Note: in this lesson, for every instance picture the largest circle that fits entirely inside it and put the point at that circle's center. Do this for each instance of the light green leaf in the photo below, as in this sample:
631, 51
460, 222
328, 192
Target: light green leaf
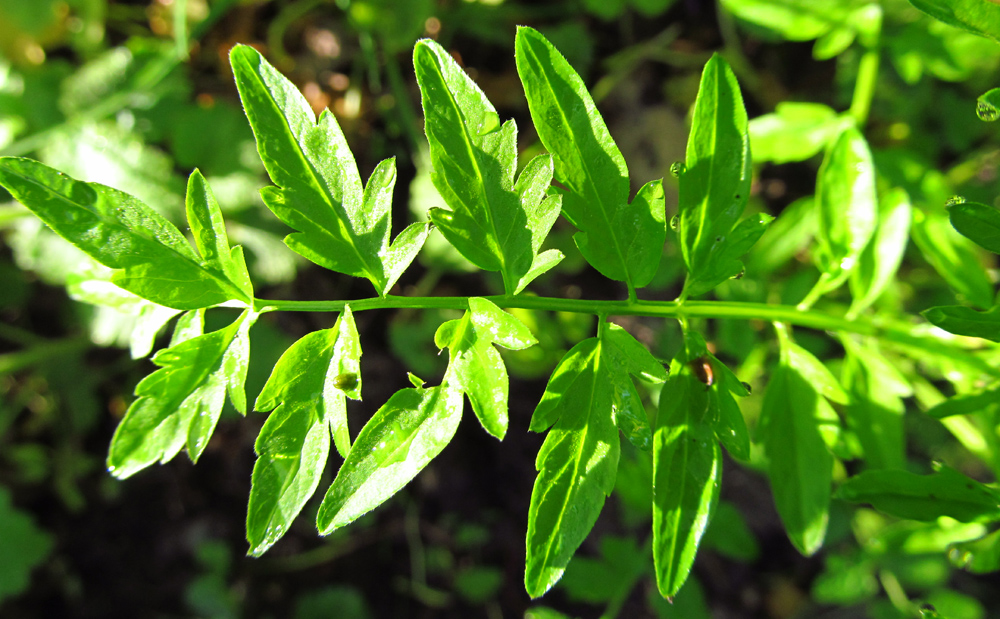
401, 438
730, 427
979, 556
962, 320
715, 184
576, 464
209, 232
978, 222
180, 403
848, 209
881, 258
923, 497
319, 193
966, 403
795, 20
687, 469
623, 241
475, 366
497, 224
155, 260
622, 357
953, 257
793, 132
790, 234
815, 373
980, 17
988, 105
795, 418
876, 408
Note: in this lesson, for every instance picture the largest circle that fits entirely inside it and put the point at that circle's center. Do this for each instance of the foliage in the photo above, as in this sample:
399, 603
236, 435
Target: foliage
834, 427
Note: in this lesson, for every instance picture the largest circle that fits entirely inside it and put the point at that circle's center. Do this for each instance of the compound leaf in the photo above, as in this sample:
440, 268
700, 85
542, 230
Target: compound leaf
497, 224
623, 357
576, 465
153, 258
623, 241
923, 497
179, 404
475, 366
401, 438
340, 225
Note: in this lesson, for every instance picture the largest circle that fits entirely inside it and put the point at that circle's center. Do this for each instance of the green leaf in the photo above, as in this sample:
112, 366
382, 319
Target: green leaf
965, 404
980, 17
795, 20
729, 535
962, 320
923, 497
876, 408
881, 258
789, 235
623, 356
621, 565
576, 464
497, 224
23, 546
340, 225
475, 366
978, 222
623, 241
179, 404
715, 184
793, 132
687, 469
953, 257
401, 438
294, 443
155, 260
848, 209
988, 105
209, 232
979, 556
730, 427
794, 418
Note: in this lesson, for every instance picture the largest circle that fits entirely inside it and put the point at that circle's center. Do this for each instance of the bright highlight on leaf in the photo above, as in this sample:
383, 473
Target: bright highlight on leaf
495, 222
341, 225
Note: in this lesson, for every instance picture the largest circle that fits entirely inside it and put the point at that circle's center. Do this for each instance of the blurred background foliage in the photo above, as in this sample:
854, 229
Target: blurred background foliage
136, 93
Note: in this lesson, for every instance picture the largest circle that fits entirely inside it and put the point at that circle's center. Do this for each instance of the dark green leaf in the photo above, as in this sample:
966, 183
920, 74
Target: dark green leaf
23, 546
715, 185
401, 438
978, 222
730, 427
496, 223
729, 535
475, 366
576, 464
180, 403
923, 497
687, 470
962, 320
881, 258
980, 17
979, 556
794, 420
623, 241
341, 226
621, 565
848, 210
876, 408
120, 232
794, 132
953, 257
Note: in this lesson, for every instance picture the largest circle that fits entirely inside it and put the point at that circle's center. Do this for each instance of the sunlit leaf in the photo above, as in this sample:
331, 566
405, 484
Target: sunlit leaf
962, 320
980, 17
978, 222
881, 258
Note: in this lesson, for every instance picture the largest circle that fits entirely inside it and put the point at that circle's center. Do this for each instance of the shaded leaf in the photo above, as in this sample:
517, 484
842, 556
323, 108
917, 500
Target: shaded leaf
953, 257
881, 258
979, 556
876, 408
978, 222
23, 546
923, 497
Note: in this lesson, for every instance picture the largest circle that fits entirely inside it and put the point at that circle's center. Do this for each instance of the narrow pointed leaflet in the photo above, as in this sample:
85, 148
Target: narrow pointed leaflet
341, 226
715, 184
687, 467
475, 366
152, 258
499, 225
179, 404
401, 438
294, 443
577, 464
622, 240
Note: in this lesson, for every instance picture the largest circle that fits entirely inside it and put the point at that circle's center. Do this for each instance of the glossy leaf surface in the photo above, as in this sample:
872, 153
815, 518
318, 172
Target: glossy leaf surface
923, 497
495, 222
715, 185
793, 132
622, 240
154, 259
980, 17
978, 222
475, 366
341, 225
179, 404
401, 438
